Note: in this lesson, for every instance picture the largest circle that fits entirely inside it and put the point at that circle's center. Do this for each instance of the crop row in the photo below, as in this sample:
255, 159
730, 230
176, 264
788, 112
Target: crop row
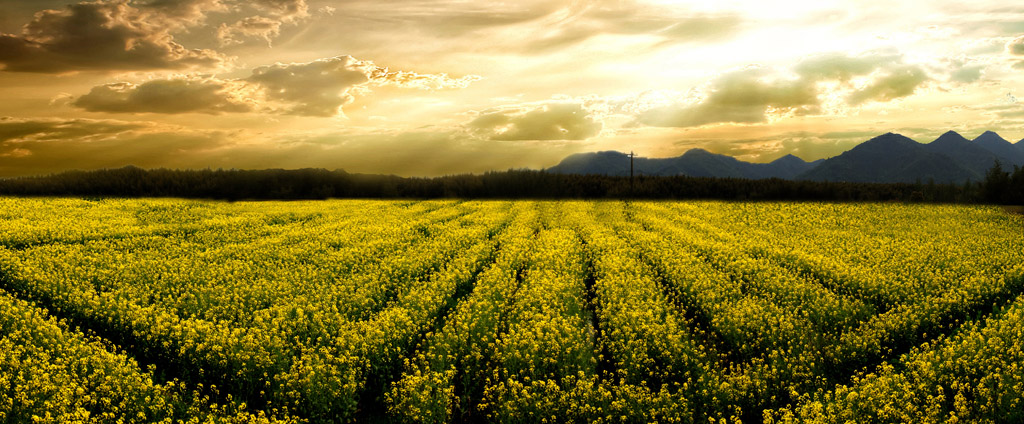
52, 374
466, 311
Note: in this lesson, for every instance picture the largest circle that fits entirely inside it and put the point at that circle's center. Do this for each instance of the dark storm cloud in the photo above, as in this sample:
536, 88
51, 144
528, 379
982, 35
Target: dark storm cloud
101, 35
554, 121
318, 88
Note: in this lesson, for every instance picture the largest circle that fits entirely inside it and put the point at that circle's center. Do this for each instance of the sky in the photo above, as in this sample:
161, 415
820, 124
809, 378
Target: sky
427, 88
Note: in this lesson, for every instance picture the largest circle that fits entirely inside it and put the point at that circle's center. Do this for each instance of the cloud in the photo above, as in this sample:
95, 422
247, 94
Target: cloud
318, 88
426, 152
584, 20
104, 35
813, 147
1003, 111
895, 79
285, 9
267, 26
1016, 48
137, 35
843, 67
763, 144
178, 14
553, 121
967, 74
252, 27
755, 94
532, 27
39, 146
741, 96
406, 79
18, 130
204, 95
447, 18
899, 82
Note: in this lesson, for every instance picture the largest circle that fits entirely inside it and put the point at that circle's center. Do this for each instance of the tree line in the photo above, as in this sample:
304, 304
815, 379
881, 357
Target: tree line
999, 186
1005, 187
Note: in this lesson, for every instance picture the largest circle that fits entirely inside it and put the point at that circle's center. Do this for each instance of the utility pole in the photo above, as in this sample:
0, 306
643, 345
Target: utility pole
631, 171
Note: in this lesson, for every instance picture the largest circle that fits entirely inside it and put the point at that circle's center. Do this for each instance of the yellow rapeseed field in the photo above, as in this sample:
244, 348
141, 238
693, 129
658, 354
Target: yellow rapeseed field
162, 310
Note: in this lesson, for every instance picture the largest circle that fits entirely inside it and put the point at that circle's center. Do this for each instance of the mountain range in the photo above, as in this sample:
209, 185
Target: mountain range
888, 158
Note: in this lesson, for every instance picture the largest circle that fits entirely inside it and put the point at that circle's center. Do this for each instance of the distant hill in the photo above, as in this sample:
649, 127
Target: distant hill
596, 163
888, 158
693, 163
968, 154
1008, 153
702, 163
789, 166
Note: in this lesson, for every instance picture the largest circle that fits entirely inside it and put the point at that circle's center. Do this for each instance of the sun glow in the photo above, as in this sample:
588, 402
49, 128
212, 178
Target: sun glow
416, 75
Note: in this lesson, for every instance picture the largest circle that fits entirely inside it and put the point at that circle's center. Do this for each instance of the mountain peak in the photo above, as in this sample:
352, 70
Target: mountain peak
787, 159
888, 138
1004, 150
950, 137
990, 136
608, 162
697, 151
889, 157
608, 153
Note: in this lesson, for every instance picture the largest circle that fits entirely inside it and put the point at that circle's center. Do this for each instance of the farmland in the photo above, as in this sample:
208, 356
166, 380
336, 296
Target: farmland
164, 310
